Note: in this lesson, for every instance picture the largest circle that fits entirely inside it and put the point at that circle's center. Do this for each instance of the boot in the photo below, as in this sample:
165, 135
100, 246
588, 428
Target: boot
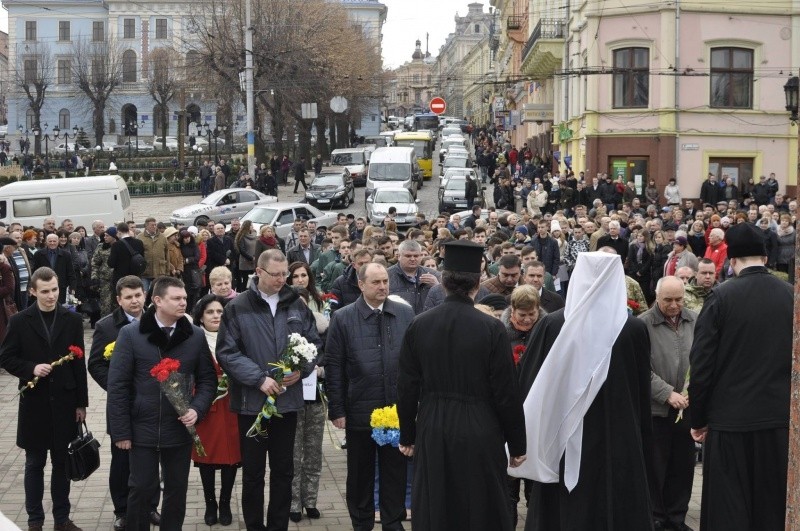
207, 478
228, 478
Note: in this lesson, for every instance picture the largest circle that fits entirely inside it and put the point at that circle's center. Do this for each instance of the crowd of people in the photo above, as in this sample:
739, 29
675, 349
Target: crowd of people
502, 288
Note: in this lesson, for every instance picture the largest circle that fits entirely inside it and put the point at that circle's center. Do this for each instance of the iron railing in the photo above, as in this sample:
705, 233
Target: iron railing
546, 28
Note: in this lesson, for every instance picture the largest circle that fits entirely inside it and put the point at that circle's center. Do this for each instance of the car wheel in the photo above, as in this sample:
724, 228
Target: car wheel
199, 220
346, 201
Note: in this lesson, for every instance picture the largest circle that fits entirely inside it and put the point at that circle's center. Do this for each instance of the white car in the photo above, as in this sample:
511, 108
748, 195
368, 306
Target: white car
453, 172
171, 143
222, 205
282, 216
63, 147
378, 204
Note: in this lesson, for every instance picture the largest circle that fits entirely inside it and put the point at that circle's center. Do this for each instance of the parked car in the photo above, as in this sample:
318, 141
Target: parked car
355, 160
379, 202
484, 213
171, 143
222, 205
282, 216
452, 197
456, 161
331, 188
455, 172
142, 146
63, 147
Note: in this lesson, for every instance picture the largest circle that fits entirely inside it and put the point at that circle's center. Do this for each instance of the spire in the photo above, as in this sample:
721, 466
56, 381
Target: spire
417, 51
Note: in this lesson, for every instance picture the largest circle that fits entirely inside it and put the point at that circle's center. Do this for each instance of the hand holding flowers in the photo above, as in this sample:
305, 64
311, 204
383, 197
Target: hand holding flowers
44, 369
172, 385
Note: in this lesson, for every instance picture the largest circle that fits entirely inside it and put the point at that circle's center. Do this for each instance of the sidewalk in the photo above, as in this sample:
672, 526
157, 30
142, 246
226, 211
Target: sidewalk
91, 503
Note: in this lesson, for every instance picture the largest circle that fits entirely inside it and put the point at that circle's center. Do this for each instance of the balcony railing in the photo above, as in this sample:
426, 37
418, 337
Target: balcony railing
547, 28
515, 22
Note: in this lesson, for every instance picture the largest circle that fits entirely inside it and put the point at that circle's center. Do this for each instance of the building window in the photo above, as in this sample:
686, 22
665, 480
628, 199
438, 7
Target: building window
98, 69
129, 67
631, 77
63, 119
416, 79
63, 30
129, 28
64, 72
732, 78
477, 28
161, 28
30, 66
30, 119
30, 30
98, 31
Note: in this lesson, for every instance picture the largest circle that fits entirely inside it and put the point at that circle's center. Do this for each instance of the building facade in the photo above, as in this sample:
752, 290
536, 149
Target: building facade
411, 87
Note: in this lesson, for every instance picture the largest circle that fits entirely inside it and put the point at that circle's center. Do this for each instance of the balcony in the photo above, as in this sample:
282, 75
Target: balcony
515, 22
517, 28
543, 51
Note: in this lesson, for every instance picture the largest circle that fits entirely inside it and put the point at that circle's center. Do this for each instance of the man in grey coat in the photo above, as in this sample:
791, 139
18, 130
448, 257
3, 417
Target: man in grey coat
254, 333
671, 329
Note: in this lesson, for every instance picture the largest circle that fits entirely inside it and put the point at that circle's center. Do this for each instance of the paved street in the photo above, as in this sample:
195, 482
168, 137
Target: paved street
92, 508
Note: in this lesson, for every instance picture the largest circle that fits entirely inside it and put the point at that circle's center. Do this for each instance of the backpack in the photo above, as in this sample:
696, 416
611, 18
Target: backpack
138, 262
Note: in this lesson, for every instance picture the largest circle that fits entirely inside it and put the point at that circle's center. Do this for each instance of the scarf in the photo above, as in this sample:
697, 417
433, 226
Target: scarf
269, 241
785, 232
639, 251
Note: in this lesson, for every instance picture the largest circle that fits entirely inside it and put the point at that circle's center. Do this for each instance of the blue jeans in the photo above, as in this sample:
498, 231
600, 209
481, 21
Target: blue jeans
35, 461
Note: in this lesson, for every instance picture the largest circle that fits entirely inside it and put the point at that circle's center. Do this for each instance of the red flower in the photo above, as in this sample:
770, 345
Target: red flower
633, 305
164, 368
329, 297
517, 353
76, 351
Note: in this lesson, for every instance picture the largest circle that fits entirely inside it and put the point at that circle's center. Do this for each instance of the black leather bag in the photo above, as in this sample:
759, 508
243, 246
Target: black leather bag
83, 454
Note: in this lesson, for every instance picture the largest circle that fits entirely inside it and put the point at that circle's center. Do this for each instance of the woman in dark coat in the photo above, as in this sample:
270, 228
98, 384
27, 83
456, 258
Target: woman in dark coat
660, 254
192, 276
219, 430
639, 264
7, 283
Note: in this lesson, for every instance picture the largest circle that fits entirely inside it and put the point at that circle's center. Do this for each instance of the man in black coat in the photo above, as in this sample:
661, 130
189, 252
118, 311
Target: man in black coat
305, 251
710, 192
614, 240
130, 297
361, 355
122, 251
48, 412
739, 391
141, 418
345, 286
59, 261
219, 249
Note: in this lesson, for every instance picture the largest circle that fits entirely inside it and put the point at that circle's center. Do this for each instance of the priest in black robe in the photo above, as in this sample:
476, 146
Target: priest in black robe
459, 405
607, 488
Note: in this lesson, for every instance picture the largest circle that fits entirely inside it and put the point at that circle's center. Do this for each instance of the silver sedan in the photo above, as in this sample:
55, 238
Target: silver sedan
222, 205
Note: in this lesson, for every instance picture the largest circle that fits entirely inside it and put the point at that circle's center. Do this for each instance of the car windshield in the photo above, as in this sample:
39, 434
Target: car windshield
456, 183
345, 159
420, 147
457, 172
455, 162
389, 172
393, 196
214, 197
261, 215
331, 179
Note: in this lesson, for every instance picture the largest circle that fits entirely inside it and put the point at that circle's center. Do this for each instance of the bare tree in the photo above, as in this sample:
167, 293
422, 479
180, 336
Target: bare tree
166, 79
96, 72
33, 75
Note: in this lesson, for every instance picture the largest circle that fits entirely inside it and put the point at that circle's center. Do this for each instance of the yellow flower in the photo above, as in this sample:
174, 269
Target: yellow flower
385, 417
109, 350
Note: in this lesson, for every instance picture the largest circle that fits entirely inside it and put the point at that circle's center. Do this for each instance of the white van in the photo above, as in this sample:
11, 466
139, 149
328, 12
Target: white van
393, 166
81, 199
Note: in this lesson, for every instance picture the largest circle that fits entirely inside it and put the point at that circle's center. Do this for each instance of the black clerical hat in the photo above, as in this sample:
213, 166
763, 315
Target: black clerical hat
744, 239
463, 255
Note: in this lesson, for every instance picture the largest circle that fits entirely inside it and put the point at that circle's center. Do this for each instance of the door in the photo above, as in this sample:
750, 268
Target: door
630, 169
738, 169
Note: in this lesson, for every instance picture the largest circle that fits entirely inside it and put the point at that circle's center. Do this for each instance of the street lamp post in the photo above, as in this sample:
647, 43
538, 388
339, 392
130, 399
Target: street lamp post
219, 130
26, 145
66, 146
99, 150
792, 92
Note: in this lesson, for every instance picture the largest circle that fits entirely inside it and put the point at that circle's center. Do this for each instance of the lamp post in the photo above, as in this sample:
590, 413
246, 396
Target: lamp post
195, 147
133, 127
66, 147
99, 150
792, 90
204, 130
23, 147
219, 130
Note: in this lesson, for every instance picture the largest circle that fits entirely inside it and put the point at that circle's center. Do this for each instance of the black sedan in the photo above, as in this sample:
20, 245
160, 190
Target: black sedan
330, 189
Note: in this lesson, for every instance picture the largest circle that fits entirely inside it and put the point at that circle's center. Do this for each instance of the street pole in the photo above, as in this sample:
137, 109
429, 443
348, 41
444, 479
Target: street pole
248, 72
793, 478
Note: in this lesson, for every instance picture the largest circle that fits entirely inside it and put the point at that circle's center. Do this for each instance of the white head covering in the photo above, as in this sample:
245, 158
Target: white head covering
574, 371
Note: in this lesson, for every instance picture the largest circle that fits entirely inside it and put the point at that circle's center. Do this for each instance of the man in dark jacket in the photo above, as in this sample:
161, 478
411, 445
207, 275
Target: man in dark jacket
361, 356
130, 297
710, 192
121, 256
219, 249
205, 178
141, 418
305, 251
300, 174
35, 338
59, 261
740, 391
546, 248
254, 333
345, 286
408, 279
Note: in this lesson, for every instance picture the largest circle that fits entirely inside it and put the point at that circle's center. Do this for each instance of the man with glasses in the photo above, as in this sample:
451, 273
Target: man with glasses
254, 333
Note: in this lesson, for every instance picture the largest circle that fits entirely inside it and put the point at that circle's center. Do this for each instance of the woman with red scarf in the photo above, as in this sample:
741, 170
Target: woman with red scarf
266, 241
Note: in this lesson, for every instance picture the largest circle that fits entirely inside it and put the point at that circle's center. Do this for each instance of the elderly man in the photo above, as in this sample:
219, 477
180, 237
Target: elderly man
717, 250
370, 329
699, 288
686, 274
614, 240
740, 391
409, 280
507, 278
671, 329
535, 276
155, 252
60, 261
305, 251
94, 240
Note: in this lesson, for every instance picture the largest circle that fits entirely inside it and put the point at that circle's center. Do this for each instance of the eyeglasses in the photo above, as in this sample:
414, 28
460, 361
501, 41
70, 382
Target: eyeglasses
282, 274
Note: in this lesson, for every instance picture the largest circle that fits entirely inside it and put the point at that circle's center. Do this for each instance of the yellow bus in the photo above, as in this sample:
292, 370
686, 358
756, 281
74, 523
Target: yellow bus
422, 142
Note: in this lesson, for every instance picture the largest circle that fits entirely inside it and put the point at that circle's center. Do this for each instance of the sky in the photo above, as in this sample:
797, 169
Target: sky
409, 20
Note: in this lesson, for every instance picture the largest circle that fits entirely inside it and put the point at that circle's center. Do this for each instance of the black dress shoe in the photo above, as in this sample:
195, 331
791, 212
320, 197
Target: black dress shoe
225, 516
312, 513
120, 523
155, 518
295, 517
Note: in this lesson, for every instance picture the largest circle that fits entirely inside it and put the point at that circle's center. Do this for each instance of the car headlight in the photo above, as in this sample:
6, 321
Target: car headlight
309, 195
338, 193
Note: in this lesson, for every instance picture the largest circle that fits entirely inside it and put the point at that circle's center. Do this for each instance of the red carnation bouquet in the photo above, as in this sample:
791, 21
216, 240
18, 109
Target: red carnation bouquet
633, 306
172, 385
518, 351
328, 300
73, 352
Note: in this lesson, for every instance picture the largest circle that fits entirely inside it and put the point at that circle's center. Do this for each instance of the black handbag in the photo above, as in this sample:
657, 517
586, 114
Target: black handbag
83, 454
